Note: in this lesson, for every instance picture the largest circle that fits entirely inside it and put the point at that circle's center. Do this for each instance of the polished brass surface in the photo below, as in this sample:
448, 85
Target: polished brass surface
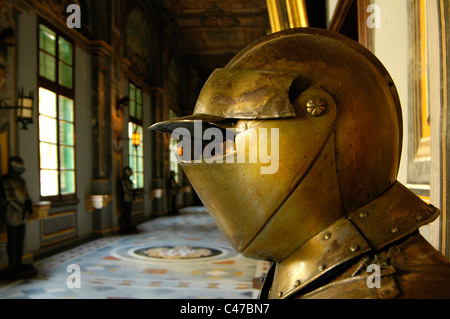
220, 185
407, 261
406, 213
316, 106
246, 94
411, 269
333, 246
239, 94
369, 112
333, 202
310, 207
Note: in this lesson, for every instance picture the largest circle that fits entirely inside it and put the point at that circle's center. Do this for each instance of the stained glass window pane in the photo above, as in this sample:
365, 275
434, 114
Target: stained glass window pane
65, 75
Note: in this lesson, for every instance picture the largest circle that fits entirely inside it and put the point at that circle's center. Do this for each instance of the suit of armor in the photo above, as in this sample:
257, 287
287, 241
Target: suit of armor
128, 195
18, 203
331, 216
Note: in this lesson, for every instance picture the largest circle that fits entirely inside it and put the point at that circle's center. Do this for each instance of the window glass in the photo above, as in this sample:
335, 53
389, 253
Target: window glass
49, 183
47, 102
139, 104
47, 129
65, 51
139, 111
47, 40
56, 115
132, 108
67, 157
66, 133
139, 96
67, 182
65, 109
65, 75
48, 156
47, 66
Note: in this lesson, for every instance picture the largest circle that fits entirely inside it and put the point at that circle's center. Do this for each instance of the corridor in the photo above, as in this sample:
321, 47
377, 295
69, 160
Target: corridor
179, 257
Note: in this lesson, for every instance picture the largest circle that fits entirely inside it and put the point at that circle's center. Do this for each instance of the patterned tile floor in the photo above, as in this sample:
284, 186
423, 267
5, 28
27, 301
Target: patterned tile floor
131, 267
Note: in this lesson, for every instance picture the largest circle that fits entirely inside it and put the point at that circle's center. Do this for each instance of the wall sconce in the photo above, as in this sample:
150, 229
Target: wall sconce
24, 108
135, 136
136, 139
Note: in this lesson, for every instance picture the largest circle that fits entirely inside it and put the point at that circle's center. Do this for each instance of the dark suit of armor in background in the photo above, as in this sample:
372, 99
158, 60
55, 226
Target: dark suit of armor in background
128, 196
17, 204
332, 212
174, 188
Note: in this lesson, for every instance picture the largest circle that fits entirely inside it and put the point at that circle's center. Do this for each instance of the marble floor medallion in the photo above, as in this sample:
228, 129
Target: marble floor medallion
174, 252
178, 252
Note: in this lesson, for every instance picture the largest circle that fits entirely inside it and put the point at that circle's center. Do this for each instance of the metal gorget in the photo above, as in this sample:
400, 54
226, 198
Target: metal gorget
394, 215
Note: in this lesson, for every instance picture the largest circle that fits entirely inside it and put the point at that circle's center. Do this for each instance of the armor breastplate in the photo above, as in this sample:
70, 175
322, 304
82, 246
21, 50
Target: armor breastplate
16, 194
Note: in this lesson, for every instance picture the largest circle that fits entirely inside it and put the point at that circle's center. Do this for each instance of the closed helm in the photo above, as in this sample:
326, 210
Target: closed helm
328, 114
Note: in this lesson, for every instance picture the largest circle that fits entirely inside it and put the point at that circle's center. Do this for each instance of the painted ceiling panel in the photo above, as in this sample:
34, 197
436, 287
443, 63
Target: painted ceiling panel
219, 27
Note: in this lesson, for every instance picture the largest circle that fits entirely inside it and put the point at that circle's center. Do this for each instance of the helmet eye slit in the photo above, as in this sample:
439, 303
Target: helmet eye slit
206, 149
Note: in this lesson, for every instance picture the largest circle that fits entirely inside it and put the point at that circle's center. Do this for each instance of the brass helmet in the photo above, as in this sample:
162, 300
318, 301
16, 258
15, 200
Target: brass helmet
334, 119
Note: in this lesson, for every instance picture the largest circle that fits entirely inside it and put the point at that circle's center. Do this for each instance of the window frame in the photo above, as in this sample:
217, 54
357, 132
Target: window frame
60, 91
139, 122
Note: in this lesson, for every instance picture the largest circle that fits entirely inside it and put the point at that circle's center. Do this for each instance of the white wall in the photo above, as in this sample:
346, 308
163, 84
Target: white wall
390, 45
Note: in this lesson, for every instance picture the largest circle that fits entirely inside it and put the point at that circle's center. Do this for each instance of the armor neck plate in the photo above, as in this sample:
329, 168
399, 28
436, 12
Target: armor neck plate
392, 216
338, 243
